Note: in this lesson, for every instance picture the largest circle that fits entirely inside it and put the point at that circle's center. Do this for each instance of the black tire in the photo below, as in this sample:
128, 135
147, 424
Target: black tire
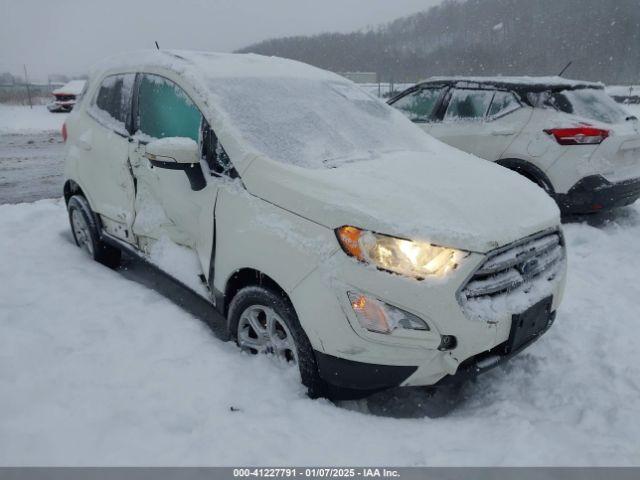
89, 237
261, 296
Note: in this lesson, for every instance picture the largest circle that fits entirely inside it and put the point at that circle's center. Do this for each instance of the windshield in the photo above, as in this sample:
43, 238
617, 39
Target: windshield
314, 123
585, 102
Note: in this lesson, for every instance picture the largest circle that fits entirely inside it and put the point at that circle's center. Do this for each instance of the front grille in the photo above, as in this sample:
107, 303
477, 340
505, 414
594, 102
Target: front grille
517, 267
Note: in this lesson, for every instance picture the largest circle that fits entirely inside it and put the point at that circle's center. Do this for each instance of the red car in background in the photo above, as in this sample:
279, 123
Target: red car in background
65, 97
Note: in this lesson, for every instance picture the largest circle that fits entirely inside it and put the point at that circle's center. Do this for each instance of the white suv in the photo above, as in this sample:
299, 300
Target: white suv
324, 226
568, 137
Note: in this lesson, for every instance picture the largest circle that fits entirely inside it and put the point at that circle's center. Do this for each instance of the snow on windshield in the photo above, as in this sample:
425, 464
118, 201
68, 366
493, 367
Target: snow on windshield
313, 123
585, 102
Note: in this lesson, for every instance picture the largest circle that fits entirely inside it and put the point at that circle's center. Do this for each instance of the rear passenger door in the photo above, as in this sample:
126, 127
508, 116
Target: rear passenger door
105, 169
483, 122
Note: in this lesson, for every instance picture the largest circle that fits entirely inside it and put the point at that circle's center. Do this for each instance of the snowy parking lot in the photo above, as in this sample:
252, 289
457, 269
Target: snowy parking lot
31, 153
100, 367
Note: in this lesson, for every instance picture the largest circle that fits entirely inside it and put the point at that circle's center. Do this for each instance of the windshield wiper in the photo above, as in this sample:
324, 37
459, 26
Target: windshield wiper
631, 117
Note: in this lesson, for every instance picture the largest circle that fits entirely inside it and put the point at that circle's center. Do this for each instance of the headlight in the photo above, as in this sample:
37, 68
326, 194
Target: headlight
406, 257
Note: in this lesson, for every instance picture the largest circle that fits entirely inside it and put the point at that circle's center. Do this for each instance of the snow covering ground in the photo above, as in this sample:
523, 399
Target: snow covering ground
98, 370
22, 119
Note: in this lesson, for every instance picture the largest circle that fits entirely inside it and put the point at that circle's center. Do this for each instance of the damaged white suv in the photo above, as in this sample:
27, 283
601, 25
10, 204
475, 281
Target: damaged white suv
324, 226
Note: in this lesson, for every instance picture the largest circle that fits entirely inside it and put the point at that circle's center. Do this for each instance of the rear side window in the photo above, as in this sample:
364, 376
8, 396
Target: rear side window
165, 110
418, 106
467, 104
502, 104
112, 105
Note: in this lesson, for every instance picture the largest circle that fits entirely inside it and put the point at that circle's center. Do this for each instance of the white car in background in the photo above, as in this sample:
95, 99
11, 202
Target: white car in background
625, 94
327, 229
567, 136
66, 96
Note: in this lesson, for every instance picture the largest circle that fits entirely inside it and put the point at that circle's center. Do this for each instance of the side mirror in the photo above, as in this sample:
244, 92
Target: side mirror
177, 153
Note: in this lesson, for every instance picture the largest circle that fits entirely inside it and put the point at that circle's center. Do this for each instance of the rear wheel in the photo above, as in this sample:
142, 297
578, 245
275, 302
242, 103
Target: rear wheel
86, 234
264, 322
530, 172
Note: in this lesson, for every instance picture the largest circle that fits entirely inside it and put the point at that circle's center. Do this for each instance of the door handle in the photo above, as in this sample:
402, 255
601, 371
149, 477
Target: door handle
502, 132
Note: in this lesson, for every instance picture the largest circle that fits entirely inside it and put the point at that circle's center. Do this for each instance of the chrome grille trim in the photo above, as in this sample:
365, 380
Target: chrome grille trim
515, 265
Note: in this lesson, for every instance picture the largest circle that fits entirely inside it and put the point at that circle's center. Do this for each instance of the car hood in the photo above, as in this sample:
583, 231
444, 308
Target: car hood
451, 199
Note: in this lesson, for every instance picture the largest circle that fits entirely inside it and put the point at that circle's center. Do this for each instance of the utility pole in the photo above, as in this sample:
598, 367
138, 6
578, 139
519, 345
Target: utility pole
26, 81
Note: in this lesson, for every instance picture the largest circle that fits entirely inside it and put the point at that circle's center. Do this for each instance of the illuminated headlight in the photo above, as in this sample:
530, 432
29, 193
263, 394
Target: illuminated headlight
377, 316
406, 257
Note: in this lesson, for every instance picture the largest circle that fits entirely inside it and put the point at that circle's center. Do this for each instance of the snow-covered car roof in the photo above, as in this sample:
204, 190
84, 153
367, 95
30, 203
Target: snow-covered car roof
74, 87
213, 65
281, 109
521, 82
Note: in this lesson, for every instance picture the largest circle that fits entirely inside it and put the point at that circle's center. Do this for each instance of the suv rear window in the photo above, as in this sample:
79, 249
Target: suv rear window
589, 103
112, 104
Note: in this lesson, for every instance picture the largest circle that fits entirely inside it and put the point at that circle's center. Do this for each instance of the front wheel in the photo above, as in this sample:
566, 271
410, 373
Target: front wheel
86, 234
264, 322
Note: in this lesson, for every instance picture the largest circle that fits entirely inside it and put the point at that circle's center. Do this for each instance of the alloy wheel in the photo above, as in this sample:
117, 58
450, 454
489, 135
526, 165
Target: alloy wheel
262, 330
81, 230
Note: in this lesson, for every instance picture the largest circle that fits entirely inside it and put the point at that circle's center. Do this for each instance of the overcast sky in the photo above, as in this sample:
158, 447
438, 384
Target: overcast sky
67, 36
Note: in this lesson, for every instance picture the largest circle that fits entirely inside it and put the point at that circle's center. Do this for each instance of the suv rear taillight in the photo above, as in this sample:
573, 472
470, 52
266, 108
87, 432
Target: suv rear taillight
64, 132
578, 135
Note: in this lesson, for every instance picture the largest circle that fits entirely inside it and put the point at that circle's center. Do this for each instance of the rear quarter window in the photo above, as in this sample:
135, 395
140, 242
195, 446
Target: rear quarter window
503, 103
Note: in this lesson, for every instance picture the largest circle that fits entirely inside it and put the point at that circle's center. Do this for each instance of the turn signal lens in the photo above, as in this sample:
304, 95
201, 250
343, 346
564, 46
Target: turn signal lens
349, 238
380, 317
64, 132
370, 313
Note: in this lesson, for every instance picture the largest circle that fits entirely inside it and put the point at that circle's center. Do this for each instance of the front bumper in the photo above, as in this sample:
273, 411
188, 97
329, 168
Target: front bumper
361, 362
347, 379
595, 193
55, 107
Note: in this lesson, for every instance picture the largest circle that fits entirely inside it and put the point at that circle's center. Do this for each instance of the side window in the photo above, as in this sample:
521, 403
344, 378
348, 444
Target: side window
467, 104
165, 110
112, 105
214, 154
418, 106
503, 103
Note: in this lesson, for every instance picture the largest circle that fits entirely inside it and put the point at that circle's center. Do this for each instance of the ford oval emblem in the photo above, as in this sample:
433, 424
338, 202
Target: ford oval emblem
529, 266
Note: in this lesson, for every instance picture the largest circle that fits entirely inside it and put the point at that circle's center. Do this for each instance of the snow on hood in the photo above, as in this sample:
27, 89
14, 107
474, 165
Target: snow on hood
448, 198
